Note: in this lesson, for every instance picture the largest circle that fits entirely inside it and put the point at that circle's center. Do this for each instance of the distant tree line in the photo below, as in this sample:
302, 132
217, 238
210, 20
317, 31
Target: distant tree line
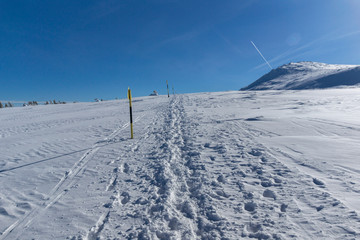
8, 104
34, 103
54, 102
30, 103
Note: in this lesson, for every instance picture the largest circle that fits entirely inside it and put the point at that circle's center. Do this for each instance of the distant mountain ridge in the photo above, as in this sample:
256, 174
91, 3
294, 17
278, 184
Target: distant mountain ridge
307, 75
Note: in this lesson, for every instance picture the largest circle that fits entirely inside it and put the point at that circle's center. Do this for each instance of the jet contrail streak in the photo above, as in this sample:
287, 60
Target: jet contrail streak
261, 54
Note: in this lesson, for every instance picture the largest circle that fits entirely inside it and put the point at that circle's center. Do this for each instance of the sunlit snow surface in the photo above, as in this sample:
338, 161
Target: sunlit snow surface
307, 75
226, 165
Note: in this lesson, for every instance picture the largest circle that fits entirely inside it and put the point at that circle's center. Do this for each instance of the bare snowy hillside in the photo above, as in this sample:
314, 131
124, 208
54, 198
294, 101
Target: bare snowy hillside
307, 75
226, 165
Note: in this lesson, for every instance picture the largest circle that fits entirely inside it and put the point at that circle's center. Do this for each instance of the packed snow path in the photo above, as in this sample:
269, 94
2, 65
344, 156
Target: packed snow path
236, 165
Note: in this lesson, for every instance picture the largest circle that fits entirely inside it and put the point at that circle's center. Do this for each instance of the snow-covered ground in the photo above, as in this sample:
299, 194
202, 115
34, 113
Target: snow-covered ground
307, 75
226, 165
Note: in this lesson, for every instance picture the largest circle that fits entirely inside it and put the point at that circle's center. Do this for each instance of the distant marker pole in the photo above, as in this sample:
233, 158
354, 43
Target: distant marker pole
173, 90
131, 118
167, 85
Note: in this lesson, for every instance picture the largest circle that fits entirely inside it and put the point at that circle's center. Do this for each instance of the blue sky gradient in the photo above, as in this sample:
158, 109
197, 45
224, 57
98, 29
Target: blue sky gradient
86, 49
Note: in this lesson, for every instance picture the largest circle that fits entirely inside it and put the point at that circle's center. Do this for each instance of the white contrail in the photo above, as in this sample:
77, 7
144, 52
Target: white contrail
261, 55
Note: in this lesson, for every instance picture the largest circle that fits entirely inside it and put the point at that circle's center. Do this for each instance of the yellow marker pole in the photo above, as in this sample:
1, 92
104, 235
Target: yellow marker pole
131, 118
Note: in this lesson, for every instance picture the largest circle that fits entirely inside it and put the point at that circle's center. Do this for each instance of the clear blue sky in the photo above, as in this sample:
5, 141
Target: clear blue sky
85, 49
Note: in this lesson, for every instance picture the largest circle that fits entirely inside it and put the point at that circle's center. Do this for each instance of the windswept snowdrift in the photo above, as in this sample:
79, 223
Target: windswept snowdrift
307, 75
230, 165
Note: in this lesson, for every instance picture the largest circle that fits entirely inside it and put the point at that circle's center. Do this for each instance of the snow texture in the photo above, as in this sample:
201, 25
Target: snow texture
307, 75
227, 165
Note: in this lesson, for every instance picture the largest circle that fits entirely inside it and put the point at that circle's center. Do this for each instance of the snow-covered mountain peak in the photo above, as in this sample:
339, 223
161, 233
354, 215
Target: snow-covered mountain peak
307, 75
314, 66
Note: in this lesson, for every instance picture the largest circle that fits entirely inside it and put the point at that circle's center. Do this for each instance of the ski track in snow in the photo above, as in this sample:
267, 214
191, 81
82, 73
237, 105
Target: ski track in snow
65, 183
62, 187
190, 197
198, 171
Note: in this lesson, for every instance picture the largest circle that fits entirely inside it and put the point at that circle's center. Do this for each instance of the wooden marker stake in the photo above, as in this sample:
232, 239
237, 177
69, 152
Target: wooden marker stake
131, 118
167, 85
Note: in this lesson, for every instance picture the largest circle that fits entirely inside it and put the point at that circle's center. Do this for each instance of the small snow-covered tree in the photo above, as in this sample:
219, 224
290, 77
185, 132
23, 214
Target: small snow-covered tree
1, 105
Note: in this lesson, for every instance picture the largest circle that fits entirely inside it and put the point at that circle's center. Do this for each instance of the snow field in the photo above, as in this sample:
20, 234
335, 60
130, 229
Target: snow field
230, 165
